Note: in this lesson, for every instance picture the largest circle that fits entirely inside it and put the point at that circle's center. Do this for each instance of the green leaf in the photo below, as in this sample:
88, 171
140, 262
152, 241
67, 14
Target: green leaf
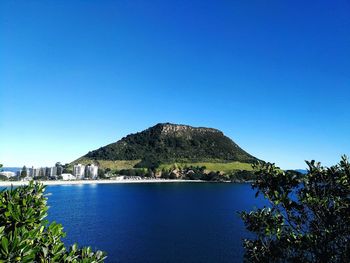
4, 244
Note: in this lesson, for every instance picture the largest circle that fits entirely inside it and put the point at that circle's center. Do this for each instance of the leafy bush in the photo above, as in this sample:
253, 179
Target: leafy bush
309, 215
25, 235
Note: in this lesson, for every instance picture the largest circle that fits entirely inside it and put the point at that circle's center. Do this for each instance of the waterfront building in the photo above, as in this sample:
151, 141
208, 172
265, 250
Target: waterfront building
53, 172
91, 171
36, 172
47, 172
67, 177
50, 172
42, 171
30, 171
33, 172
79, 171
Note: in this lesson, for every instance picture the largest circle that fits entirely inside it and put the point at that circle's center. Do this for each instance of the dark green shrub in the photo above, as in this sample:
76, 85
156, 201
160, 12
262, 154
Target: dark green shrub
25, 235
308, 219
172, 176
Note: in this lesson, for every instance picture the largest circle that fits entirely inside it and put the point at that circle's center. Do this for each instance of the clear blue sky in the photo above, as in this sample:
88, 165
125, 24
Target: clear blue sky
272, 75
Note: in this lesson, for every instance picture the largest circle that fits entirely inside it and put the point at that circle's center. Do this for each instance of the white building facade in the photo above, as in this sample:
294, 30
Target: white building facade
67, 177
79, 171
91, 171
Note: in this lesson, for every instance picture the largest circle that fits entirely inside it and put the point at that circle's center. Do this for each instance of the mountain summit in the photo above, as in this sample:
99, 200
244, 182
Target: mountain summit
167, 143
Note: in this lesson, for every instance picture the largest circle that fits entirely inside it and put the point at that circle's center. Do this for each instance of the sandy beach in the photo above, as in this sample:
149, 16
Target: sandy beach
81, 182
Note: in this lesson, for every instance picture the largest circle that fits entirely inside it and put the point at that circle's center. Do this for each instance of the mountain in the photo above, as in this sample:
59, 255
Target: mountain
302, 171
11, 169
170, 143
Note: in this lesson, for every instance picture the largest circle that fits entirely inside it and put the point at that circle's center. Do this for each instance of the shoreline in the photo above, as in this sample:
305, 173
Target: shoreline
91, 182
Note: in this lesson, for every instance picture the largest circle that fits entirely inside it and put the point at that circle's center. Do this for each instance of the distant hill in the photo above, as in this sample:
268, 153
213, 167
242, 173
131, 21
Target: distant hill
11, 169
167, 143
303, 171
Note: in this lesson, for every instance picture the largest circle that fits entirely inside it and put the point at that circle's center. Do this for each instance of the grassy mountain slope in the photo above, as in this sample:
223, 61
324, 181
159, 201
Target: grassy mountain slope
211, 166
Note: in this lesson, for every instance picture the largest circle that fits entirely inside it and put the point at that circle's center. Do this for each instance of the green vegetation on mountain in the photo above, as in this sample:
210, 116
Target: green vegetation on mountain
210, 166
166, 144
107, 164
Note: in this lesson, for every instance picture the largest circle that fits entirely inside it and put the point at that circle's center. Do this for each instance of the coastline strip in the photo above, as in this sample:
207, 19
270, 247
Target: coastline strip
87, 182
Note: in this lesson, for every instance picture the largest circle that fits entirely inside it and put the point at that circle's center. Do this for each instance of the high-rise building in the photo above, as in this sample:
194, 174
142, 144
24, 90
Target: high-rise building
36, 172
30, 171
33, 172
53, 172
47, 171
42, 172
91, 171
50, 172
79, 171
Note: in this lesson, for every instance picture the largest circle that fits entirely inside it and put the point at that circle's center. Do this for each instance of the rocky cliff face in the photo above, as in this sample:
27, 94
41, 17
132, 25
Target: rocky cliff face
179, 129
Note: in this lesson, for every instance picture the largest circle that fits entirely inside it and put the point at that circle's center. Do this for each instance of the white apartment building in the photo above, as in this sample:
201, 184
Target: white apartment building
91, 171
50, 172
53, 171
42, 171
34, 172
79, 171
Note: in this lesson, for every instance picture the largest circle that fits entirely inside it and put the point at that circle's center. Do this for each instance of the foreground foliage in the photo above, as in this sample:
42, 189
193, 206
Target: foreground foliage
309, 215
26, 237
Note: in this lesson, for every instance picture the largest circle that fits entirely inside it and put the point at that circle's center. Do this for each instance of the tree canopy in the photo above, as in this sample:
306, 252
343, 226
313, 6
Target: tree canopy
26, 237
308, 219
23, 173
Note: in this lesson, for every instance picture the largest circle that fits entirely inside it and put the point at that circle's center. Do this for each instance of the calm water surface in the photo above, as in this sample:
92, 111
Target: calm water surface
174, 222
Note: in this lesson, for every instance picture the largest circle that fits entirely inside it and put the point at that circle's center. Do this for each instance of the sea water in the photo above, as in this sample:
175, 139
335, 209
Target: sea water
155, 222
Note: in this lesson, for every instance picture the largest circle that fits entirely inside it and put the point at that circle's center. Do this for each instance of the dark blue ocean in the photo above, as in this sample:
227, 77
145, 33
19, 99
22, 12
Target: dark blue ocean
164, 222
